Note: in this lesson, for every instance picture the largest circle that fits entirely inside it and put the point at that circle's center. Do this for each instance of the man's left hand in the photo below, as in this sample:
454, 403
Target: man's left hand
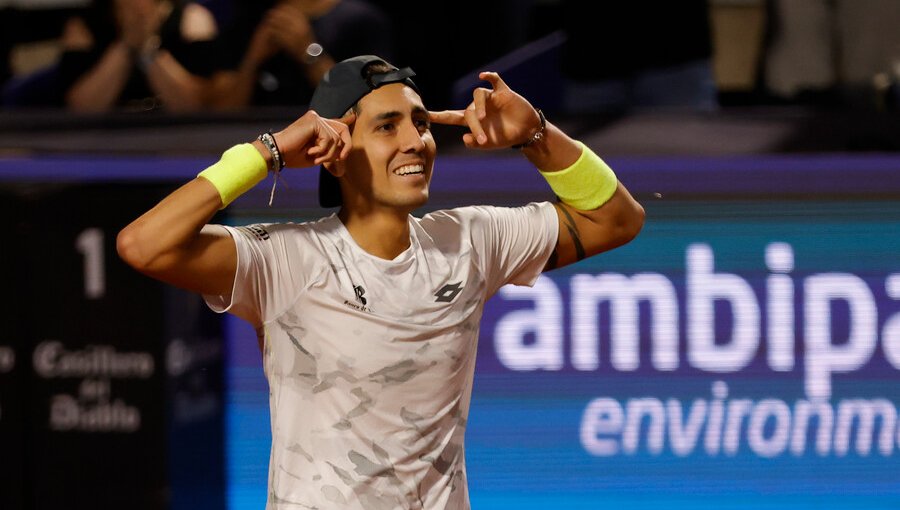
497, 117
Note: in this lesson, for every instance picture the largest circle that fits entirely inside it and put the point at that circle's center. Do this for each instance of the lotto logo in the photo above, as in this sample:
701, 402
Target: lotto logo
448, 292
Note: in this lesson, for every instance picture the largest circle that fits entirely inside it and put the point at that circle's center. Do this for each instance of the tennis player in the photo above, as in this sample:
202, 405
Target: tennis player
369, 317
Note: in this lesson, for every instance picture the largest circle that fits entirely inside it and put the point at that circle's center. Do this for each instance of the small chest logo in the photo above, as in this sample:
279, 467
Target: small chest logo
360, 294
448, 292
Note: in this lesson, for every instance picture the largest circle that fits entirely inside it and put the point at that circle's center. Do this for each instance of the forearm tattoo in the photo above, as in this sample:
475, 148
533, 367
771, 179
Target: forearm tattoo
572, 228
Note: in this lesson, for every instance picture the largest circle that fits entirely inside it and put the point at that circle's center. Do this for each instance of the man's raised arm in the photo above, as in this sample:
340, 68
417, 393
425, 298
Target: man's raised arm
596, 213
172, 242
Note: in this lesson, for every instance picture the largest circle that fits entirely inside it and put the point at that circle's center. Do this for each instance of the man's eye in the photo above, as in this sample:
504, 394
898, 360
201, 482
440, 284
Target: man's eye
386, 127
423, 124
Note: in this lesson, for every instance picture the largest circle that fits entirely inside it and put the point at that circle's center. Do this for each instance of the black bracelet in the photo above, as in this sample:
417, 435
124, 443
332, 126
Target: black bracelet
268, 139
277, 149
538, 135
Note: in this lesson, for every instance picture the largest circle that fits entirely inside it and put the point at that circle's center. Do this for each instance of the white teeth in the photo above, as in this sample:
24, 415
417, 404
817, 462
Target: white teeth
409, 170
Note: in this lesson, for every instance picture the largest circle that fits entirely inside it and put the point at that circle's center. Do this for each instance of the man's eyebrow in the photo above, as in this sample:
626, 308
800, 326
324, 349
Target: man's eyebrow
386, 116
417, 110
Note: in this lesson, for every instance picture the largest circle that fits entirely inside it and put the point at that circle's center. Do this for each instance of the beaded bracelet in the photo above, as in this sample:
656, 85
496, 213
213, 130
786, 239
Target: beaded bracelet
268, 140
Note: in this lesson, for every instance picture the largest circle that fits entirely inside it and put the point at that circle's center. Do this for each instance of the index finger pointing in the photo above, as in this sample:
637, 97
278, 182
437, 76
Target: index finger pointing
349, 118
341, 129
449, 117
347, 139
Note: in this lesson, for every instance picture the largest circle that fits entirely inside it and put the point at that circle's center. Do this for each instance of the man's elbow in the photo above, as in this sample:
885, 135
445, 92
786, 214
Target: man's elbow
128, 248
135, 251
632, 223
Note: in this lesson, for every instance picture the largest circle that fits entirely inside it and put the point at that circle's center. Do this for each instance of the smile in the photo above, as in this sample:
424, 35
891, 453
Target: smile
410, 170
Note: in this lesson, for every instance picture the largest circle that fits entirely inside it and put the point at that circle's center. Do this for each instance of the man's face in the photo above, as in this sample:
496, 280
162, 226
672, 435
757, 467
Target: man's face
393, 152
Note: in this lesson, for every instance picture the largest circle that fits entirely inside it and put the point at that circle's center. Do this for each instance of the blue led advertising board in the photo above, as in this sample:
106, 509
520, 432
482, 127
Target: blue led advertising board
742, 352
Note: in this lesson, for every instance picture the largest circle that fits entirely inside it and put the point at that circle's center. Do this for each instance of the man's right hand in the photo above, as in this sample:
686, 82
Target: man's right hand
313, 140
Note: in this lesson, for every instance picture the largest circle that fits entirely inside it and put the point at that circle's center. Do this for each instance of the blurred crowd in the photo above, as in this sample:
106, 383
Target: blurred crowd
578, 56
186, 56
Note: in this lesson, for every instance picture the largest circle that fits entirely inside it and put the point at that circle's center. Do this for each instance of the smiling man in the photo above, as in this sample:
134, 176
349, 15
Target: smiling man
368, 318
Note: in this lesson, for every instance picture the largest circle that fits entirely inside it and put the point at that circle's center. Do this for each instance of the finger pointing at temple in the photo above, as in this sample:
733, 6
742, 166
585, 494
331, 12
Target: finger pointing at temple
448, 117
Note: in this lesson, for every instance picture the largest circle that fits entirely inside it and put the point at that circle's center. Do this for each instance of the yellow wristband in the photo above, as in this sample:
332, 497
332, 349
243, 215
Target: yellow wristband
587, 184
240, 168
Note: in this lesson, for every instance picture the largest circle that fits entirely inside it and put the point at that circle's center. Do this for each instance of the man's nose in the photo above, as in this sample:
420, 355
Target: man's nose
411, 139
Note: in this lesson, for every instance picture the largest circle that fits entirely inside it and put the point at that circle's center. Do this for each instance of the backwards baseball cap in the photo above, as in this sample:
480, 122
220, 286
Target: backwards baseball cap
341, 87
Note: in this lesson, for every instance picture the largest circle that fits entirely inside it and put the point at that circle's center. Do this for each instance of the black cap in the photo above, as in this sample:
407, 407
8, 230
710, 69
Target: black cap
341, 87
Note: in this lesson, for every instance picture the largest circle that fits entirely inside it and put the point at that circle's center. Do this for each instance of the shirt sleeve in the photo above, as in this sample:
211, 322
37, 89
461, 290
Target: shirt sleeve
271, 271
513, 244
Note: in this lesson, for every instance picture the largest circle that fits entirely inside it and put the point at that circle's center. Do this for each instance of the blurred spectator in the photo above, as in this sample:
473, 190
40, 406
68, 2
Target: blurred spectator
738, 35
138, 55
800, 51
833, 52
284, 50
29, 48
624, 55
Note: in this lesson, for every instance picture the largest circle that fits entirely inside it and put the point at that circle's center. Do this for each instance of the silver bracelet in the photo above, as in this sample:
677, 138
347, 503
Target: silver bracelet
268, 140
538, 135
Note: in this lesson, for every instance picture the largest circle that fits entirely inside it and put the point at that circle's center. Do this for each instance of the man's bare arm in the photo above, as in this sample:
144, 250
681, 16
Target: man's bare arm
582, 233
498, 118
171, 242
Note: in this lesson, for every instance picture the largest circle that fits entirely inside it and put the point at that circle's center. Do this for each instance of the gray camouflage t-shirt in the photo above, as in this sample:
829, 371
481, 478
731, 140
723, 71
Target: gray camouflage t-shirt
369, 361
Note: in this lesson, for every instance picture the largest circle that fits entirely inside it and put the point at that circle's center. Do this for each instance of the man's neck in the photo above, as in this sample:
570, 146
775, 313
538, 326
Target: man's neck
382, 234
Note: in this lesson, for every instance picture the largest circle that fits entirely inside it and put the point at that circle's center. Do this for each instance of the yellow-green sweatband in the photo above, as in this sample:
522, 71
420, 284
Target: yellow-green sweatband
587, 184
240, 168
